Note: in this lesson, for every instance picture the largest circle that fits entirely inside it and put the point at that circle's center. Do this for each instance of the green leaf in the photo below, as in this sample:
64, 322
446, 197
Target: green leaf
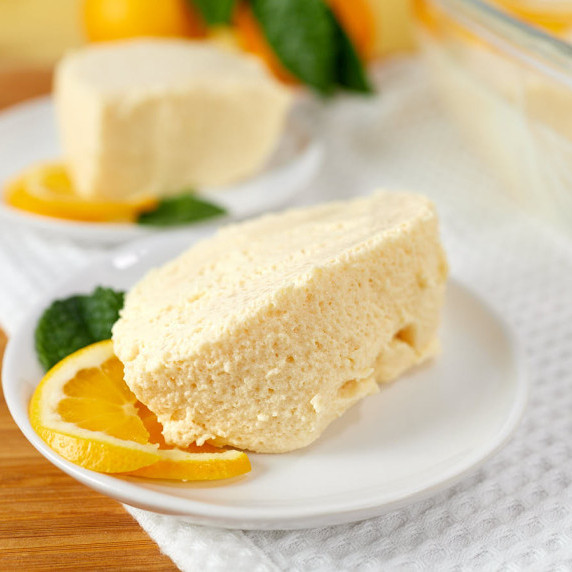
350, 72
303, 36
215, 12
182, 209
72, 323
102, 310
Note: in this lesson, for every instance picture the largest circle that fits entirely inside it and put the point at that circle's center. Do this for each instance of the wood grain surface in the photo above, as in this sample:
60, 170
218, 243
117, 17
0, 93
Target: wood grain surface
48, 521
17, 85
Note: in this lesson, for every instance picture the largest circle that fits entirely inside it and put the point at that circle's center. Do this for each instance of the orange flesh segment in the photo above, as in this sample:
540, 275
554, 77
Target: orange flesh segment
98, 399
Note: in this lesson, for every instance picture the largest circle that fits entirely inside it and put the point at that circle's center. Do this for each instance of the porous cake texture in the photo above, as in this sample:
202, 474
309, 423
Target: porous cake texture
264, 334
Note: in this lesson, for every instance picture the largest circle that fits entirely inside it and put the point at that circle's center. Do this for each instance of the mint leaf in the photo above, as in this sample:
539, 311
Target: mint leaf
72, 323
182, 209
303, 36
349, 69
101, 310
215, 12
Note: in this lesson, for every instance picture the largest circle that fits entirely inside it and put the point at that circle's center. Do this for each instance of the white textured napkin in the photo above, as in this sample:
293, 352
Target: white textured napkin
516, 511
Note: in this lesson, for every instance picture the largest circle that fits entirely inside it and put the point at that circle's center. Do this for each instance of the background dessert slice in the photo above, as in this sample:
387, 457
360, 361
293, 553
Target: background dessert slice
262, 335
156, 116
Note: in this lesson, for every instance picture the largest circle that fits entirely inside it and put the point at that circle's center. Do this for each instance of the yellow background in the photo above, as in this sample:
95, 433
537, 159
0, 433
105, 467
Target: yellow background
34, 33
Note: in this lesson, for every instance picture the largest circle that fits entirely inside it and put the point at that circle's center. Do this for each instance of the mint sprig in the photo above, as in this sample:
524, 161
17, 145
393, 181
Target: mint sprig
183, 209
349, 71
311, 44
306, 37
301, 34
70, 324
215, 12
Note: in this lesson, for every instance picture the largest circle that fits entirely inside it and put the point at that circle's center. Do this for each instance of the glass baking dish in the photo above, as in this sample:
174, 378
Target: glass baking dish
509, 85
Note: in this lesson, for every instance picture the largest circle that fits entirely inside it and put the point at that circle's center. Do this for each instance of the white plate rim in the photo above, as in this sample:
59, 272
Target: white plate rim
297, 517
304, 166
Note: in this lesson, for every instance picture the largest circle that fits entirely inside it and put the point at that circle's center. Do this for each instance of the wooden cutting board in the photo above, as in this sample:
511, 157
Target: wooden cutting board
49, 521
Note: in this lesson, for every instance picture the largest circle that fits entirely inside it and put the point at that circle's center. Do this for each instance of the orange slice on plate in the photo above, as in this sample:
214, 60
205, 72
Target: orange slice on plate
84, 411
47, 190
181, 465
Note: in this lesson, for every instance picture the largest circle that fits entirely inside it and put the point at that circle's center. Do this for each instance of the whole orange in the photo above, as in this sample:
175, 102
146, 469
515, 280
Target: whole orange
118, 19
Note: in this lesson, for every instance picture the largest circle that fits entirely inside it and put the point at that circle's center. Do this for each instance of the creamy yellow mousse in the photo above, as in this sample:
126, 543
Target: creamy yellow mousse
264, 334
154, 116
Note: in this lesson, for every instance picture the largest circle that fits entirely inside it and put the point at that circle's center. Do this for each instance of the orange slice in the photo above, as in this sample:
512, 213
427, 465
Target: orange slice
83, 410
47, 190
184, 466
86, 416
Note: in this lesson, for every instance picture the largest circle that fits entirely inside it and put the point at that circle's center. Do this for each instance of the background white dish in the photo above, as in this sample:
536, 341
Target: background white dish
415, 437
28, 135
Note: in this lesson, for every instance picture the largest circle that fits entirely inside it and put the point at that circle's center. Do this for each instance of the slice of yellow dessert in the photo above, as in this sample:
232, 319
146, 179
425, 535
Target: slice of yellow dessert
156, 116
264, 334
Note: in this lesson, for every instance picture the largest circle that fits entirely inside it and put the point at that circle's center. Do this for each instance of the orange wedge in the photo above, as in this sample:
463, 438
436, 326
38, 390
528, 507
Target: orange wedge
83, 410
47, 190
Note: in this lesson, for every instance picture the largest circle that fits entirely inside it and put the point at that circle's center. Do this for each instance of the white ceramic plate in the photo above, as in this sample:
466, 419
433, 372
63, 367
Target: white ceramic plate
28, 135
417, 436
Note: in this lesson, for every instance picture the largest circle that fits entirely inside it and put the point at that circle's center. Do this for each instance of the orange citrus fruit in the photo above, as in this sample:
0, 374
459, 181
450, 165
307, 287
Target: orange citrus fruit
47, 190
119, 19
355, 17
86, 416
84, 411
